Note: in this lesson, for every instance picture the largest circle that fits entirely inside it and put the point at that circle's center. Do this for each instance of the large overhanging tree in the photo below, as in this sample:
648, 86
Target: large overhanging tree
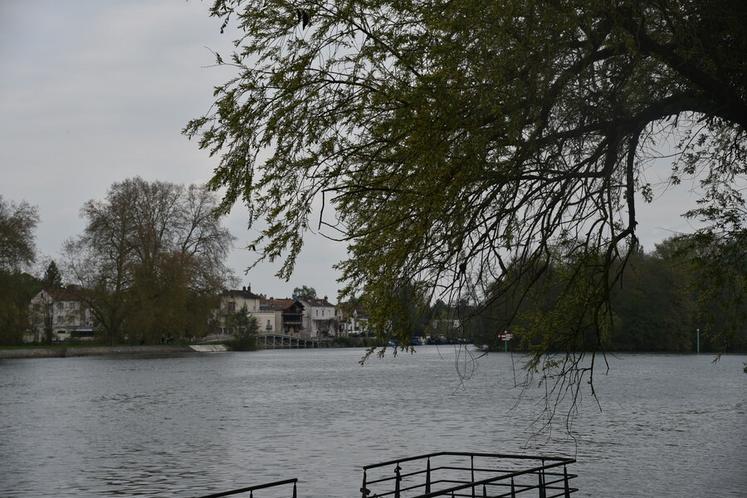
463, 143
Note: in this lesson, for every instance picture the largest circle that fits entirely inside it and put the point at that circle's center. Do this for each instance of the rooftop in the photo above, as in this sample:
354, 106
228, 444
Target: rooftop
69, 293
244, 292
275, 304
313, 301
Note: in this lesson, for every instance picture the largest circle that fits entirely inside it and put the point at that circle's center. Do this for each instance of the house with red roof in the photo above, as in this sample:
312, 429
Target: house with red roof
280, 316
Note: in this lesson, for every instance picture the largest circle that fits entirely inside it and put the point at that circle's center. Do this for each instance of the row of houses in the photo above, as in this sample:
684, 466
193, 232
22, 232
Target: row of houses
61, 313
308, 317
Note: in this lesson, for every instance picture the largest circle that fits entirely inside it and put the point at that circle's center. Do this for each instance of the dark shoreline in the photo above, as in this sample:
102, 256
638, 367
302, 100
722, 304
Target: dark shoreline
71, 351
165, 350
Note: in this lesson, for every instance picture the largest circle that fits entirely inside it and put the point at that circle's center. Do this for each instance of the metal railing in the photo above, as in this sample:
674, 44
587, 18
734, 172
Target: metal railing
252, 489
454, 474
471, 475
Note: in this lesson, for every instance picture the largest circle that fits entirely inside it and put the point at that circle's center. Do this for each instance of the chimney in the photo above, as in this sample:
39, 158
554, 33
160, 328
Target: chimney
244, 288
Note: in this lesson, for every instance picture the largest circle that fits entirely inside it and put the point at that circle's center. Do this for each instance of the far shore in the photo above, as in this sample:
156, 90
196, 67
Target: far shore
77, 350
66, 351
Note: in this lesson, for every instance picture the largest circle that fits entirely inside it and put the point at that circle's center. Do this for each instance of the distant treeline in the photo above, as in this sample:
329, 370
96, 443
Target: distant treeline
663, 298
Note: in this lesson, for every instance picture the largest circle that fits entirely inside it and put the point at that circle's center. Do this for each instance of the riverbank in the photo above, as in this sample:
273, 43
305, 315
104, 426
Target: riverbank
72, 351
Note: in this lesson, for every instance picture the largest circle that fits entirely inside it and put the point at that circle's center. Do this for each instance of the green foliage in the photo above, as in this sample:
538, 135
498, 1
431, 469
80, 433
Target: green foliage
719, 287
456, 139
151, 260
52, 278
399, 313
662, 299
555, 308
304, 292
246, 329
652, 307
17, 225
16, 290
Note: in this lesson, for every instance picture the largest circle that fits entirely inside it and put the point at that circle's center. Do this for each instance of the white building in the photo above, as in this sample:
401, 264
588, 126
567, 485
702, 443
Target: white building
60, 315
318, 317
288, 315
351, 320
269, 319
233, 301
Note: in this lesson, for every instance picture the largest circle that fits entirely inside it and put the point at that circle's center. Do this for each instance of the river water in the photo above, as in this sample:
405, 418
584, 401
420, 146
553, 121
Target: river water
669, 425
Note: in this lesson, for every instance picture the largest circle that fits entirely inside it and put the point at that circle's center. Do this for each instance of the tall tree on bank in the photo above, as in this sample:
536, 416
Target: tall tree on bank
152, 259
52, 277
17, 225
17, 250
304, 292
456, 139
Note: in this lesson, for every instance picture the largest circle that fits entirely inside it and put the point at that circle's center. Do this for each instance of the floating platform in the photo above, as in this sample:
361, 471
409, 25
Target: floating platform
453, 474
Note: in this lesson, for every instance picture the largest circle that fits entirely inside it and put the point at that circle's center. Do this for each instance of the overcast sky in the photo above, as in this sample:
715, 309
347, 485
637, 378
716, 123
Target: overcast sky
93, 92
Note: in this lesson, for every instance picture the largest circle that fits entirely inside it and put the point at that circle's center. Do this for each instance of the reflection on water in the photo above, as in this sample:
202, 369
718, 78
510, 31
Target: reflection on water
181, 426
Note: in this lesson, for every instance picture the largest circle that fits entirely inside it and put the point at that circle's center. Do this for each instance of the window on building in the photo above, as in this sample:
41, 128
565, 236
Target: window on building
231, 307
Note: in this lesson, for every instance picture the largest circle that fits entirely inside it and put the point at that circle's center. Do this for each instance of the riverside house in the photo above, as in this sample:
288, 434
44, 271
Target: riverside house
318, 317
233, 301
59, 315
308, 317
279, 316
352, 320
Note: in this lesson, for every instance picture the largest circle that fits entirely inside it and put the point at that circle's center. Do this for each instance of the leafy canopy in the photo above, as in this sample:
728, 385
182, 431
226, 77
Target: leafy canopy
456, 139
17, 249
52, 277
304, 292
152, 259
17, 225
